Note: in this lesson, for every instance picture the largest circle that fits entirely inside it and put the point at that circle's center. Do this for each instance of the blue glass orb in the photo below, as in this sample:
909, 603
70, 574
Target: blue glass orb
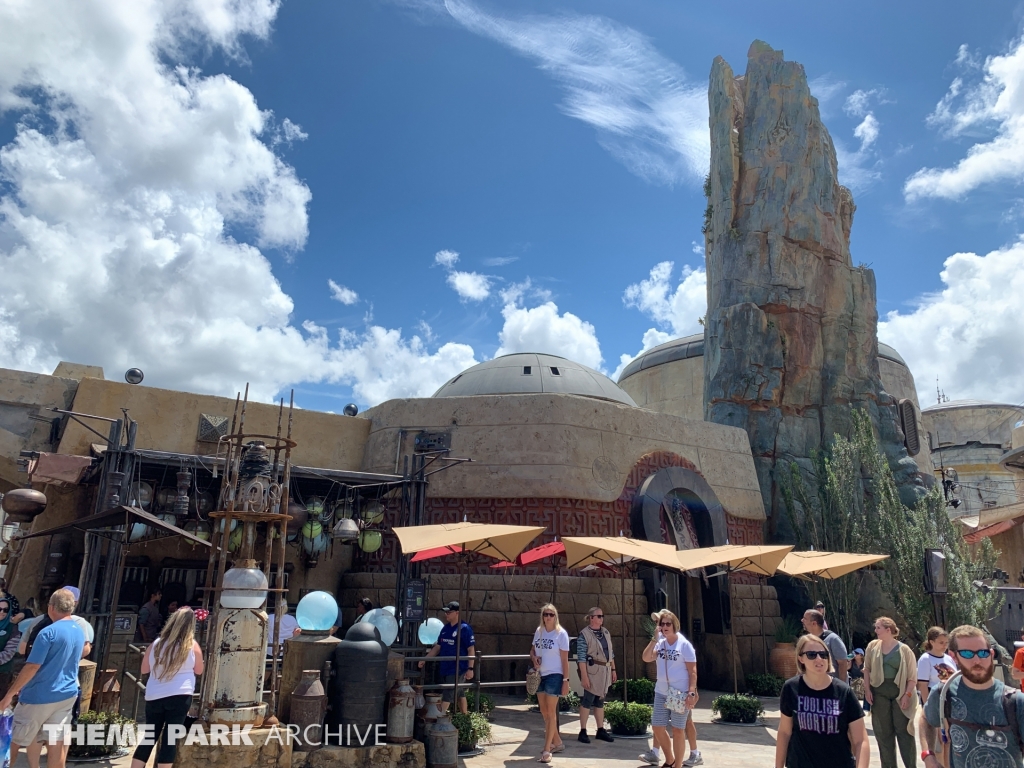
317, 611
430, 630
385, 624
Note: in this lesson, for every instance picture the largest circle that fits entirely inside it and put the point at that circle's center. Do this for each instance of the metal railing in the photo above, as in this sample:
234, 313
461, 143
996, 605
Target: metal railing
477, 683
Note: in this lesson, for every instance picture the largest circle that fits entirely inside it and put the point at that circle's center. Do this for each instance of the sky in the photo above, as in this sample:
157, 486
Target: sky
359, 200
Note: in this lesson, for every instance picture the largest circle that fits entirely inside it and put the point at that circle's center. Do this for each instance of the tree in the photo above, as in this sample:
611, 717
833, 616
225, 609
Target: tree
855, 507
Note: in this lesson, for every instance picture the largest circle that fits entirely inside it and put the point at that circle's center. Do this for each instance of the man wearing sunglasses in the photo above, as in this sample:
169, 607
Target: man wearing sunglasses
455, 639
597, 672
981, 721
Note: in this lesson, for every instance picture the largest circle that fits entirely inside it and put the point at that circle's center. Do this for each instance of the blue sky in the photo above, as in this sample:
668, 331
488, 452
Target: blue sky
222, 192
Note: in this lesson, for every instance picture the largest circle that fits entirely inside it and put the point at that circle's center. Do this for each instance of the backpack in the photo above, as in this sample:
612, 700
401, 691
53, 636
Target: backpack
1009, 714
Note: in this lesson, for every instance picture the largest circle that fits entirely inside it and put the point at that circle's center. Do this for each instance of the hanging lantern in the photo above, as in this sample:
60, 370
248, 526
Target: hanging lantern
370, 541
181, 499
315, 507
373, 513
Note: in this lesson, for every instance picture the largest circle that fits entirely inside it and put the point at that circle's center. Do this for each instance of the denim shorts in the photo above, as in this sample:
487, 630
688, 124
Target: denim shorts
551, 684
592, 701
662, 714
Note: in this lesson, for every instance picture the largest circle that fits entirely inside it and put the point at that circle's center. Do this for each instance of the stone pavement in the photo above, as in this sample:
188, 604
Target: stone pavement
518, 736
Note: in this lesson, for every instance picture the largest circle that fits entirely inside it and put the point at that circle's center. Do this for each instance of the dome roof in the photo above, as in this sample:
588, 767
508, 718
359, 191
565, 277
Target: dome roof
953, 404
693, 346
531, 373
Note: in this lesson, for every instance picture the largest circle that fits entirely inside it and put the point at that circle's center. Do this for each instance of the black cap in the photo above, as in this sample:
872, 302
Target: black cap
452, 606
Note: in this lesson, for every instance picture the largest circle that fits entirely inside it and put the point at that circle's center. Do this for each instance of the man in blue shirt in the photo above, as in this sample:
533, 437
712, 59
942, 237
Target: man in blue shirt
47, 684
453, 633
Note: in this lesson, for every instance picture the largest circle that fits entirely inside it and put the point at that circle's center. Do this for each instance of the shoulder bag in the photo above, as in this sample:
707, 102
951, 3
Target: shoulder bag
532, 676
675, 700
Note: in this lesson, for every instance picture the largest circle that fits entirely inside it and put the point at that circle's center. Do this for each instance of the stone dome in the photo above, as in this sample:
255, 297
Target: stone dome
532, 373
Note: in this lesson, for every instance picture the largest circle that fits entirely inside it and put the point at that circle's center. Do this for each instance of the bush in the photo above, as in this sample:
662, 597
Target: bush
565, 703
473, 728
484, 703
628, 719
106, 720
738, 708
765, 684
640, 690
787, 631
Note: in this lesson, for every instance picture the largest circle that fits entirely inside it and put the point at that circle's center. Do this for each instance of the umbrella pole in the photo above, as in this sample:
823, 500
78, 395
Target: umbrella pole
622, 606
735, 650
762, 584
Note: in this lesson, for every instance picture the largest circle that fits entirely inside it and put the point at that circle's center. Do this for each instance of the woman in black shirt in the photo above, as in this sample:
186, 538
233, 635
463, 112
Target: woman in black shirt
821, 722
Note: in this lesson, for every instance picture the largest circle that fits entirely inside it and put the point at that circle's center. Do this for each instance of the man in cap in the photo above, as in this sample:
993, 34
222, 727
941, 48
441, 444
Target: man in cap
47, 686
454, 633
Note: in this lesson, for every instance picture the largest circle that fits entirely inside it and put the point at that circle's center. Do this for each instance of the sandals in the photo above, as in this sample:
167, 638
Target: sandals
558, 748
545, 757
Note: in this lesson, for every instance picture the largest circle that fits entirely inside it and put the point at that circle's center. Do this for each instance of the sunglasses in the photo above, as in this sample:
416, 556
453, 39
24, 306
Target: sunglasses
984, 653
548, 615
665, 624
812, 655
597, 616
5, 610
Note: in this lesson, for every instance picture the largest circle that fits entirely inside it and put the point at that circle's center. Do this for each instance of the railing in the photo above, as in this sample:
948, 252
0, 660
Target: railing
477, 683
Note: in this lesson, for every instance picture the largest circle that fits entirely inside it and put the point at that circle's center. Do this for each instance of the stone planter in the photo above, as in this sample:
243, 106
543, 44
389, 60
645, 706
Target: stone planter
782, 660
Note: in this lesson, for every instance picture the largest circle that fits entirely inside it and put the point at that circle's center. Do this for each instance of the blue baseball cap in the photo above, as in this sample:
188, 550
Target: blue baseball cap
74, 591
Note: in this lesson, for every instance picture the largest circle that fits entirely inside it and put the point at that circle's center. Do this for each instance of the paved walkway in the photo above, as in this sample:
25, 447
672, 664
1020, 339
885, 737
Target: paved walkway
518, 736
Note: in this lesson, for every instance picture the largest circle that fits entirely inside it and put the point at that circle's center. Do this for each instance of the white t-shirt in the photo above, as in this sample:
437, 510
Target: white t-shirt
672, 658
181, 683
286, 630
547, 647
926, 668
87, 630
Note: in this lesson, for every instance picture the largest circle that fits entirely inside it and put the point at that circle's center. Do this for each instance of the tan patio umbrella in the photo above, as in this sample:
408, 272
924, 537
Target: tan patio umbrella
762, 560
826, 565
583, 551
502, 542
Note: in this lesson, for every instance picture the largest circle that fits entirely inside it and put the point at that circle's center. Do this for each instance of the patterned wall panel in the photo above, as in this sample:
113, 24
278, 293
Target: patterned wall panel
561, 517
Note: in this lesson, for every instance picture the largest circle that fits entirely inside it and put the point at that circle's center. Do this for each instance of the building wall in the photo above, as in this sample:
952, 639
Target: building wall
676, 388
559, 447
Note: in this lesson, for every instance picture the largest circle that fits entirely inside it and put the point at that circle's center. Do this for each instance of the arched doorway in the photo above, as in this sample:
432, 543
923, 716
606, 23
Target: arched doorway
676, 506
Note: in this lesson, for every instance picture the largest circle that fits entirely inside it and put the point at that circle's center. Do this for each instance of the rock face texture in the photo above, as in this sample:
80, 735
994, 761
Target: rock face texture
791, 331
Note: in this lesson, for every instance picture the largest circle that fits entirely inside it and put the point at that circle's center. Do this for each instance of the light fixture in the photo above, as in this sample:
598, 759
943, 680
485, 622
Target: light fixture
346, 529
134, 376
351, 409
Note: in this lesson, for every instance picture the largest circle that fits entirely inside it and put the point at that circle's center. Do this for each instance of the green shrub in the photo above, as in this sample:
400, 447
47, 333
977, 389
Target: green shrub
565, 703
765, 684
473, 728
484, 704
738, 708
640, 690
628, 719
105, 719
787, 631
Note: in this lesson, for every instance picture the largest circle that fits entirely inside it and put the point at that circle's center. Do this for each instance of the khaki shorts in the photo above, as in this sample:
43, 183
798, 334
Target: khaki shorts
29, 720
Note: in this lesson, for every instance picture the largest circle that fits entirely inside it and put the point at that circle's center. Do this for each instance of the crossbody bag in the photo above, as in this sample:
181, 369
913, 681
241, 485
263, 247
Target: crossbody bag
675, 700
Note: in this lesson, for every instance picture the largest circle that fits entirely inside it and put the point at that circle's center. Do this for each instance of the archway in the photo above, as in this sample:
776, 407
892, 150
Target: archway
676, 506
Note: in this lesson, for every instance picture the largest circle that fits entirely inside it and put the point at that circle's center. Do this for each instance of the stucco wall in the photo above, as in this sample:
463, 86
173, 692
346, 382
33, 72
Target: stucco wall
676, 388
169, 421
559, 446
25, 395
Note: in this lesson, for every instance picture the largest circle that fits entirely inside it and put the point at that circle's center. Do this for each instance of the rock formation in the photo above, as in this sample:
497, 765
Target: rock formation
791, 331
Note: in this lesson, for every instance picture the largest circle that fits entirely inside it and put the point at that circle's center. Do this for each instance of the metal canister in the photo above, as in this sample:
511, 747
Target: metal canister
427, 716
443, 744
358, 689
401, 713
308, 705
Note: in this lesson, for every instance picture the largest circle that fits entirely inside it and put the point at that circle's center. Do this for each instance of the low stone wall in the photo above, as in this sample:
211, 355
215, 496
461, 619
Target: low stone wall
504, 611
411, 755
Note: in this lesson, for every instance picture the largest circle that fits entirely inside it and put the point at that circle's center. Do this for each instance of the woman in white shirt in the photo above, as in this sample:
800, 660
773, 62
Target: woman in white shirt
935, 665
172, 660
550, 655
677, 668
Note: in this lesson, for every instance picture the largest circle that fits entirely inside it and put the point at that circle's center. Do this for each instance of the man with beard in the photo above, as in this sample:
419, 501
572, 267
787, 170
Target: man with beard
982, 720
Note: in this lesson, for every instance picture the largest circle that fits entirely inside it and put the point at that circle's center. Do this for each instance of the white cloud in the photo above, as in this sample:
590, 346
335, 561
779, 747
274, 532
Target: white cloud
500, 261
697, 248
340, 293
969, 333
992, 104
652, 338
858, 103
136, 194
543, 329
676, 308
867, 131
825, 88
290, 132
648, 114
446, 258
471, 286
516, 293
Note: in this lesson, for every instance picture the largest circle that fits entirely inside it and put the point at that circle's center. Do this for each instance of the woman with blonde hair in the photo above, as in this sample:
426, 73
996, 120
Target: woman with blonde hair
172, 660
676, 661
890, 671
820, 719
550, 656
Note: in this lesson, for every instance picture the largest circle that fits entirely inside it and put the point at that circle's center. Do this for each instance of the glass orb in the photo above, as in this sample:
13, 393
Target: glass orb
385, 624
244, 587
430, 630
317, 611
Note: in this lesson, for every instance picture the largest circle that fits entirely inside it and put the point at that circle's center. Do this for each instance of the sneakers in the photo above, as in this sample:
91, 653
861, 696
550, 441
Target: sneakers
651, 757
694, 759
603, 735
584, 738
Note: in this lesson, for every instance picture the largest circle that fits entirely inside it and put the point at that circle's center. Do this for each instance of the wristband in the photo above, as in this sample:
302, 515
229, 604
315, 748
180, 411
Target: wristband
926, 754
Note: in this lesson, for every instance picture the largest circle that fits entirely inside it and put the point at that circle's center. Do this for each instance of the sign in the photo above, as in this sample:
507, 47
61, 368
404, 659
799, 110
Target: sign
415, 606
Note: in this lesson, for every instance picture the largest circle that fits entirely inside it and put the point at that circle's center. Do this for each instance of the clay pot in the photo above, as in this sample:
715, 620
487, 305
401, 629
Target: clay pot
782, 660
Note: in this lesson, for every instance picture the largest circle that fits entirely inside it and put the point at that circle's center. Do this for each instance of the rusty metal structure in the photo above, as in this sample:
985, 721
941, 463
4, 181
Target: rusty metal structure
253, 506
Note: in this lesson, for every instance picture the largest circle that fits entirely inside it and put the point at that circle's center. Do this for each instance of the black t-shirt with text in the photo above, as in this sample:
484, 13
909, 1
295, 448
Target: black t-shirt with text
821, 721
